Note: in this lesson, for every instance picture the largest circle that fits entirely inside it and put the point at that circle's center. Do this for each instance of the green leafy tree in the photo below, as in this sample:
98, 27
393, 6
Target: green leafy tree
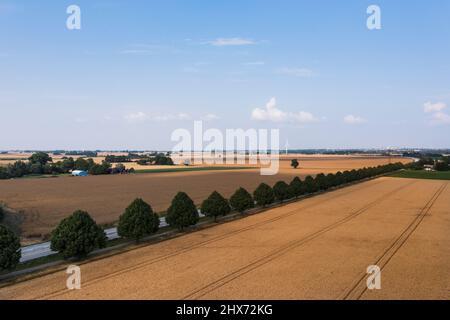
77, 236
68, 164
441, 165
296, 187
2, 213
331, 180
47, 168
182, 212
242, 200
9, 249
310, 185
119, 168
216, 205
295, 163
82, 164
4, 173
36, 168
263, 195
18, 169
98, 169
338, 179
281, 191
162, 160
40, 157
321, 182
138, 220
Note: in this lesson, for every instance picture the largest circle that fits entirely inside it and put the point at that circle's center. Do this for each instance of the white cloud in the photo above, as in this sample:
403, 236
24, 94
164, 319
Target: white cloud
221, 42
254, 63
296, 72
141, 116
437, 115
169, 117
304, 117
434, 107
352, 119
210, 117
272, 113
136, 117
440, 118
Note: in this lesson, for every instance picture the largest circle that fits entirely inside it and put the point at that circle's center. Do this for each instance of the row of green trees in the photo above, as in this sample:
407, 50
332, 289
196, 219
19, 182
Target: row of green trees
117, 159
78, 235
159, 159
41, 163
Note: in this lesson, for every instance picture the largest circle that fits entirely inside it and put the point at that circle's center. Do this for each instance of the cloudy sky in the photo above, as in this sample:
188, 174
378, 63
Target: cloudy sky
137, 70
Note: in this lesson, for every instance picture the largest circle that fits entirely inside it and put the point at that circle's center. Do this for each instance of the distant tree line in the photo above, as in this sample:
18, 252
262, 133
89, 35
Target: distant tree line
41, 163
38, 163
78, 235
87, 154
426, 153
440, 163
117, 159
159, 159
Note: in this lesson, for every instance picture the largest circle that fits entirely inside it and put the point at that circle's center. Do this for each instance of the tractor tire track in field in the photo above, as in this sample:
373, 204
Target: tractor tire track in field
277, 253
358, 289
206, 242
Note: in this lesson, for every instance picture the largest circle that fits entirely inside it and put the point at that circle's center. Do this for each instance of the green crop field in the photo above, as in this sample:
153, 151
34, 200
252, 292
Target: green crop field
420, 174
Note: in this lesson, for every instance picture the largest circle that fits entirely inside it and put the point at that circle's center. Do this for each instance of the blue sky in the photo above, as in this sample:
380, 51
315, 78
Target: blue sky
137, 70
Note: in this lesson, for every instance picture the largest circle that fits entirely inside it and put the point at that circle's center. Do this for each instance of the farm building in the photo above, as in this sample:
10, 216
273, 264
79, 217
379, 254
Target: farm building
79, 173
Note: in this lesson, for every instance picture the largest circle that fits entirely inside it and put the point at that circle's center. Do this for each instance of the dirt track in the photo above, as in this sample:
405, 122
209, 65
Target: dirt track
318, 248
45, 202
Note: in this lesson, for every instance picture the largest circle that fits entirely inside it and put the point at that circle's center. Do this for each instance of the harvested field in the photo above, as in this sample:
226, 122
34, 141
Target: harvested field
318, 248
44, 202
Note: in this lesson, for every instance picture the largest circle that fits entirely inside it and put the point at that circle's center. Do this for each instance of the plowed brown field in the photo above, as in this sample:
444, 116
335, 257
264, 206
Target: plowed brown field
318, 248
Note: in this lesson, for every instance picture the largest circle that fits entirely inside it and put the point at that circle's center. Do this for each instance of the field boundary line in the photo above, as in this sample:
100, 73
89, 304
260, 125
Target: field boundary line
359, 287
